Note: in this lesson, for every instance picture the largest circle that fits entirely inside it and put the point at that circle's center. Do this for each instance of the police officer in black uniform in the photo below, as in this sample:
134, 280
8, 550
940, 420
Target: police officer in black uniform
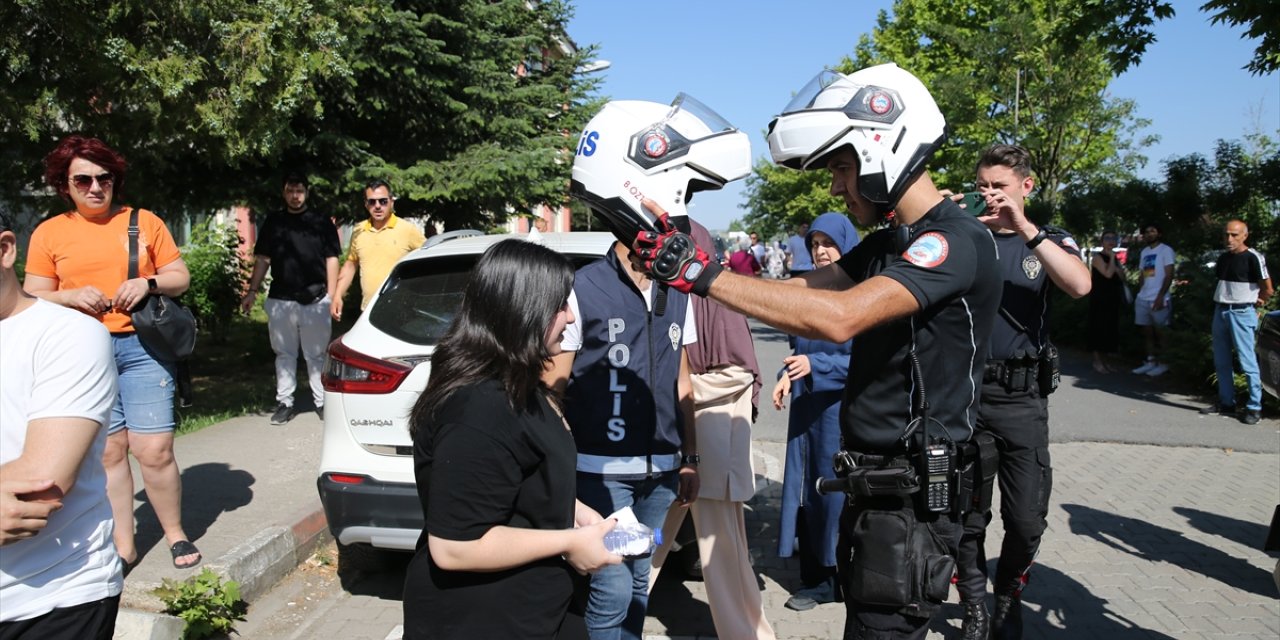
1021, 371
921, 297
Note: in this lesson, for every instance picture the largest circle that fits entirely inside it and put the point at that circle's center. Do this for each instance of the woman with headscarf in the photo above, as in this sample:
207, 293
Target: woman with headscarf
814, 374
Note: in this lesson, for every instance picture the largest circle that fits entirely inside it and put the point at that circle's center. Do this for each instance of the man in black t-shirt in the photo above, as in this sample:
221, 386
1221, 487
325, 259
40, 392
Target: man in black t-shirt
1243, 286
301, 248
1014, 404
920, 297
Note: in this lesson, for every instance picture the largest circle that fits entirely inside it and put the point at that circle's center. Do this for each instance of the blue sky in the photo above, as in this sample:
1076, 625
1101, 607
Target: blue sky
745, 58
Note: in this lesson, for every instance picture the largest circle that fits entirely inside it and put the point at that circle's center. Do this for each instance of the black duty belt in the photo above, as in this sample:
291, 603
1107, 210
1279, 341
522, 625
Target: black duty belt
877, 460
1000, 371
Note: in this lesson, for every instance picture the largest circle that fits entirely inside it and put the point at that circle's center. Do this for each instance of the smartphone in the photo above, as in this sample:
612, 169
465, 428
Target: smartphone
974, 203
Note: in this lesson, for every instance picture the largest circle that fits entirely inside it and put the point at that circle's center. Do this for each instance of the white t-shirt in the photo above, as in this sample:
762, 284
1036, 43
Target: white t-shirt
572, 340
1153, 261
57, 363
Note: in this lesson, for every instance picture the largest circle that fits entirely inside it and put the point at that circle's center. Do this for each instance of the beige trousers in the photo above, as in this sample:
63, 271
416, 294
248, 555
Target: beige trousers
722, 417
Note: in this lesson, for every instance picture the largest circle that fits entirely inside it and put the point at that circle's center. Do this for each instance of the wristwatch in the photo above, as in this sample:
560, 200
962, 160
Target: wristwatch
152, 287
1039, 237
692, 459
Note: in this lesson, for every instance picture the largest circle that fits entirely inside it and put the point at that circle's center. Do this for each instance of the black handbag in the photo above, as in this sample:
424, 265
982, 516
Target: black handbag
167, 328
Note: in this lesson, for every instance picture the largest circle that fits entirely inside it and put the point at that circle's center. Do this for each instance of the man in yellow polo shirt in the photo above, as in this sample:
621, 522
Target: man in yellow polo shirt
376, 245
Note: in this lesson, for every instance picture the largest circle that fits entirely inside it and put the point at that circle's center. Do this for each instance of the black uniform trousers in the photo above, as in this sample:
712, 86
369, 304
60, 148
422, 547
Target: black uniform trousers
1020, 422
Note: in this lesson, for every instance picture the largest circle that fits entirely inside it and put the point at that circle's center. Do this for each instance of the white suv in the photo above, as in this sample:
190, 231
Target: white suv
374, 374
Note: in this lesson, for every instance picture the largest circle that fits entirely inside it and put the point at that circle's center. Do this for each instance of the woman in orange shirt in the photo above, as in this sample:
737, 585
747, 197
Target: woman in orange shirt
80, 259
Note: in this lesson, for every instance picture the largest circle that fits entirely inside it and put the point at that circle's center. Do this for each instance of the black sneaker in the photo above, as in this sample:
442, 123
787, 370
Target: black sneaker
284, 413
1218, 409
1251, 417
320, 412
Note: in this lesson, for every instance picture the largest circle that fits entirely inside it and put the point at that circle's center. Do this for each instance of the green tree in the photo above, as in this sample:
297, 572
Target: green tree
1034, 74
778, 198
466, 106
1261, 19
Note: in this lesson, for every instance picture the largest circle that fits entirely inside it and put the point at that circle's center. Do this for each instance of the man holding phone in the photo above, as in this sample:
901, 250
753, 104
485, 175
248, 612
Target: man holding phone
1020, 370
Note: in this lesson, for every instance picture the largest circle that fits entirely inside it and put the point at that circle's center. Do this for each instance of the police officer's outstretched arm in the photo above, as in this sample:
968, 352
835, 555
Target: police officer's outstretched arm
834, 316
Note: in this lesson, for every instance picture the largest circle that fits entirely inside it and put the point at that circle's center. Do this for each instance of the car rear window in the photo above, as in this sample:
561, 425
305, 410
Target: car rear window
421, 297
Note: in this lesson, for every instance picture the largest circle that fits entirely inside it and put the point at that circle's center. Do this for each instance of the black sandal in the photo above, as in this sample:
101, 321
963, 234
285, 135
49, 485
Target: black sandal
184, 548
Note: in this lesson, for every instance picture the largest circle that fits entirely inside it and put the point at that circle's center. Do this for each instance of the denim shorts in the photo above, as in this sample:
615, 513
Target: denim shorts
145, 400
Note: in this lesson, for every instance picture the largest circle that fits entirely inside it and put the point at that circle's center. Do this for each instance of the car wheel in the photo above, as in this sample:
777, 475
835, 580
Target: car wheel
354, 558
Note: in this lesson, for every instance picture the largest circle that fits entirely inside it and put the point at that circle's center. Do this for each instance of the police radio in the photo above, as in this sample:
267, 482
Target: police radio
939, 464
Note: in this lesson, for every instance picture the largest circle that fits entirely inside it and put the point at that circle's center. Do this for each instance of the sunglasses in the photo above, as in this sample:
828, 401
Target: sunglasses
84, 182
377, 201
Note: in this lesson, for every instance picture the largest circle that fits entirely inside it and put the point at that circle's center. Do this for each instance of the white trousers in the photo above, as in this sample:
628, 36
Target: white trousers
298, 327
737, 608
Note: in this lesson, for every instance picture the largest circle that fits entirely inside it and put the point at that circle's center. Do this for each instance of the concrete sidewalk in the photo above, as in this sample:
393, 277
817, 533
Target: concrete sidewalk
249, 504
1144, 541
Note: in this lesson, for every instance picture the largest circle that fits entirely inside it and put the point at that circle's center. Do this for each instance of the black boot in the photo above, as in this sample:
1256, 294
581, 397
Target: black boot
1006, 623
976, 622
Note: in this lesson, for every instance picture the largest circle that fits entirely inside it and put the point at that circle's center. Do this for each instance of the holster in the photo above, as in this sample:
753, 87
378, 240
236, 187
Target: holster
889, 481
897, 561
981, 476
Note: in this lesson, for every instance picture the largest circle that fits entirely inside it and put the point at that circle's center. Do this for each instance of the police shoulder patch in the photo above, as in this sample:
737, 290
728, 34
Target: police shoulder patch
929, 250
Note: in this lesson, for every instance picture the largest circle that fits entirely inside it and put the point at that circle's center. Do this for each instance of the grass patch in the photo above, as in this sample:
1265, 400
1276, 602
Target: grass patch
233, 377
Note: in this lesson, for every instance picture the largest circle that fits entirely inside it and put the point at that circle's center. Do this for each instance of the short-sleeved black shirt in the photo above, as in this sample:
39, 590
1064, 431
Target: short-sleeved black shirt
949, 265
481, 465
1026, 294
297, 244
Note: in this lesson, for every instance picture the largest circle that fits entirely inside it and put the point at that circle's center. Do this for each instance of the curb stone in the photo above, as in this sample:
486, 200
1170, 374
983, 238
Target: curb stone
257, 564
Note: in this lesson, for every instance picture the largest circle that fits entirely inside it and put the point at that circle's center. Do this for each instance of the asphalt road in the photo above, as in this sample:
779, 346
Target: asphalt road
1087, 407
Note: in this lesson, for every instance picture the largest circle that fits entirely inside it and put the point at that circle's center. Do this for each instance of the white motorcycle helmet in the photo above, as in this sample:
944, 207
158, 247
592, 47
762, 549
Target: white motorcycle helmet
886, 115
635, 149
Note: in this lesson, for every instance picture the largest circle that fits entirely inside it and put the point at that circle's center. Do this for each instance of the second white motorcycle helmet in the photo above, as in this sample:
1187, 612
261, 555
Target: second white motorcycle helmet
883, 112
636, 149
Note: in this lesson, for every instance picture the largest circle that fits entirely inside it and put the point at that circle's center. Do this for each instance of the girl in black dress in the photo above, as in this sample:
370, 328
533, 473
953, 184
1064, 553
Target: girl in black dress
494, 461
1105, 300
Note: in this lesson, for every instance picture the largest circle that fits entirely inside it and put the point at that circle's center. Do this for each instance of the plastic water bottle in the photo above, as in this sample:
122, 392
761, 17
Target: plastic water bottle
632, 540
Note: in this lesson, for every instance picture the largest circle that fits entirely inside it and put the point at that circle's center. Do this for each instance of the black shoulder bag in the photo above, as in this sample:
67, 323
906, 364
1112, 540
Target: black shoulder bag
165, 327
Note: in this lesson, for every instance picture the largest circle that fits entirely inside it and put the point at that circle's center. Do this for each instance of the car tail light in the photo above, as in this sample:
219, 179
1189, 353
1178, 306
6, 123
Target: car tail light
344, 478
349, 371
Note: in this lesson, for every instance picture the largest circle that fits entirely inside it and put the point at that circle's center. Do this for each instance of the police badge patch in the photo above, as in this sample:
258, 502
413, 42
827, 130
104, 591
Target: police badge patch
673, 332
1031, 266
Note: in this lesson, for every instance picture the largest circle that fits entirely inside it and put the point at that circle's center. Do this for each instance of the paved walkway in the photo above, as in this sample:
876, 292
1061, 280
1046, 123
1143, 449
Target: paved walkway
1143, 542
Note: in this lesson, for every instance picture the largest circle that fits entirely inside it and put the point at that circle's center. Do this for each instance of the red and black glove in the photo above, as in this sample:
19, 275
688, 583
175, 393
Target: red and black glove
672, 257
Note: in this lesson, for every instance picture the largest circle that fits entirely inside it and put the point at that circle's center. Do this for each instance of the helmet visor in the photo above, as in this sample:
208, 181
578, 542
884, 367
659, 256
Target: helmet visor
688, 122
708, 122
832, 91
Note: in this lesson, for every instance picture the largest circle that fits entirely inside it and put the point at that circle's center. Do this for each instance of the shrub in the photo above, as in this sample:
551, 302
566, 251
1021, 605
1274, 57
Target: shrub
219, 276
208, 605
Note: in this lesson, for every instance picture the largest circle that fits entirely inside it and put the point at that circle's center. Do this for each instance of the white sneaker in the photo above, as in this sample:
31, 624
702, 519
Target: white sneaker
1150, 364
1158, 370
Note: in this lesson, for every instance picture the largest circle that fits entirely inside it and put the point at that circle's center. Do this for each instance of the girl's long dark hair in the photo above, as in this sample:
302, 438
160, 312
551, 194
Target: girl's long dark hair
500, 331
